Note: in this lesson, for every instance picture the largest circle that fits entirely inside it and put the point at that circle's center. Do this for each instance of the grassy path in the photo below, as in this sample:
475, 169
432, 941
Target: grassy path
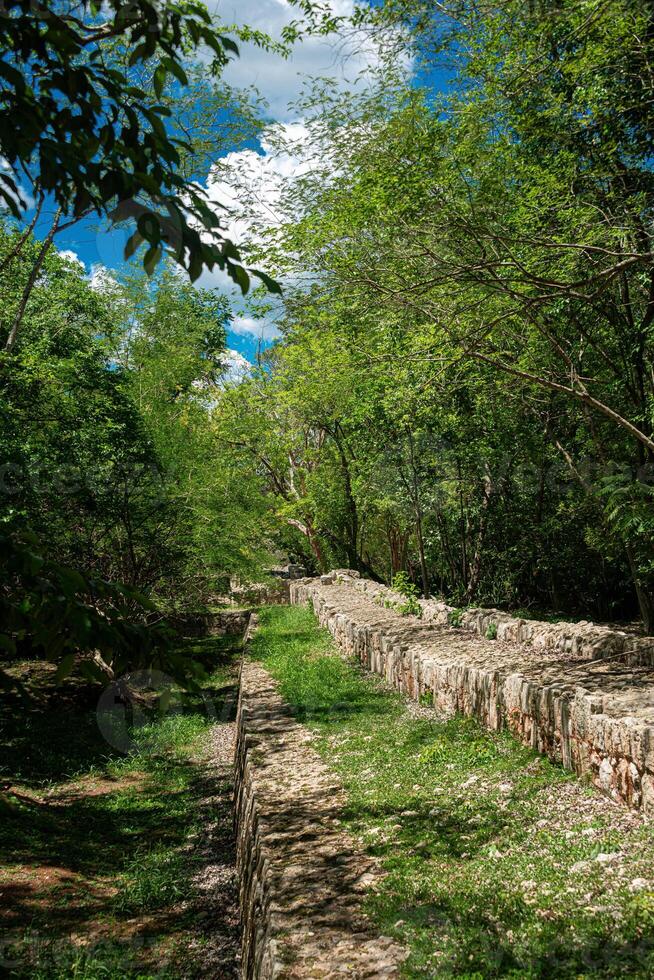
116, 865
498, 863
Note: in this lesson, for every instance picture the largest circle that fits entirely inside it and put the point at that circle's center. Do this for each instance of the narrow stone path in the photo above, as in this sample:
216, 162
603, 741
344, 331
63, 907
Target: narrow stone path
303, 877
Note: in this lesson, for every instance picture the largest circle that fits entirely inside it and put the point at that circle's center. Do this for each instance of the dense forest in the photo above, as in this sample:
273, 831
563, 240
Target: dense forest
462, 383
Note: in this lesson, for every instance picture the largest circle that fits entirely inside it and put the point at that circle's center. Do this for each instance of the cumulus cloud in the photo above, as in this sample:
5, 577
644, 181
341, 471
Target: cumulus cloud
252, 184
237, 367
102, 280
280, 80
71, 256
248, 326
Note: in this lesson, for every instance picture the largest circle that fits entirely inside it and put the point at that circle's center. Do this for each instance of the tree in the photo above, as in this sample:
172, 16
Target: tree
77, 126
505, 224
116, 510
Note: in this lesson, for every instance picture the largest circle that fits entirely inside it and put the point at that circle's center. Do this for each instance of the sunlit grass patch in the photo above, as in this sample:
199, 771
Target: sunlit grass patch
151, 879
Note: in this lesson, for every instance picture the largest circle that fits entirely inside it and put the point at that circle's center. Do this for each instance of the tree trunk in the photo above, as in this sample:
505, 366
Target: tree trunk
353, 515
462, 527
16, 250
447, 551
418, 517
643, 594
309, 532
475, 565
397, 545
421, 554
36, 268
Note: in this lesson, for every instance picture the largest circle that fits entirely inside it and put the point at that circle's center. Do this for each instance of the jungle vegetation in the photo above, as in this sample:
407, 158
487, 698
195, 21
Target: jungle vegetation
464, 385
462, 389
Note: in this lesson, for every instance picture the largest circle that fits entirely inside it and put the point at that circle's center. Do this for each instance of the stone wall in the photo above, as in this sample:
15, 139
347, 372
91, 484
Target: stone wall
554, 687
259, 959
302, 877
272, 592
583, 640
225, 622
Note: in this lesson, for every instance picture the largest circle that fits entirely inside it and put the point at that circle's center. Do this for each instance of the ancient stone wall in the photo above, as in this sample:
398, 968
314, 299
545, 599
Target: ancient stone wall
270, 593
225, 622
584, 640
302, 877
258, 945
558, 689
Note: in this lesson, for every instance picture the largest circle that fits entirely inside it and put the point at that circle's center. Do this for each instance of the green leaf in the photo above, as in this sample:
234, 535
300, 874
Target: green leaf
133, 242
175, 69
65, 667
139, 53
229, 45
151, 258
271, 285
159, 80
71, 580
239, 276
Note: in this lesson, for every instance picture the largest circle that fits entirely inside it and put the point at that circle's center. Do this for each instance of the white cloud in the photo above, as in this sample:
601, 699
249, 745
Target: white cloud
71, 256
247, 326
280, 80
237, 367
101, 279
252, 184
255, 184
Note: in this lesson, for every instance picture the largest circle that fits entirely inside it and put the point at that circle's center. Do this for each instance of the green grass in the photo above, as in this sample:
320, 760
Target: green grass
490, 851
92, 839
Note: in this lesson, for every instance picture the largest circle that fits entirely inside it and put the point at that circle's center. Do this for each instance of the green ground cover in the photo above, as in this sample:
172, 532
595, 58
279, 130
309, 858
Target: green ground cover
499, 864
97, 847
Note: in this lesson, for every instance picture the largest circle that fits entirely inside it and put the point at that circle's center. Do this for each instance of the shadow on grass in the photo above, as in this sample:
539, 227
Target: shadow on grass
65, 832
91, 838
473, 940
44, 745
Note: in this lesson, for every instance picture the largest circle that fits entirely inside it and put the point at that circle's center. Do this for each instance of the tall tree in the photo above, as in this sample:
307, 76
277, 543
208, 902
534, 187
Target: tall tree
506, 224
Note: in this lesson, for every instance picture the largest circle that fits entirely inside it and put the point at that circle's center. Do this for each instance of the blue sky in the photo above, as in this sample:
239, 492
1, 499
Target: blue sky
280, 81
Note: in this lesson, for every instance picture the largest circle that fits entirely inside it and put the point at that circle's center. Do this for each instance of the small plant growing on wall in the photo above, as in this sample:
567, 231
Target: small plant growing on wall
456, 617
406, 588
403, 584
410, 608
491, 632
